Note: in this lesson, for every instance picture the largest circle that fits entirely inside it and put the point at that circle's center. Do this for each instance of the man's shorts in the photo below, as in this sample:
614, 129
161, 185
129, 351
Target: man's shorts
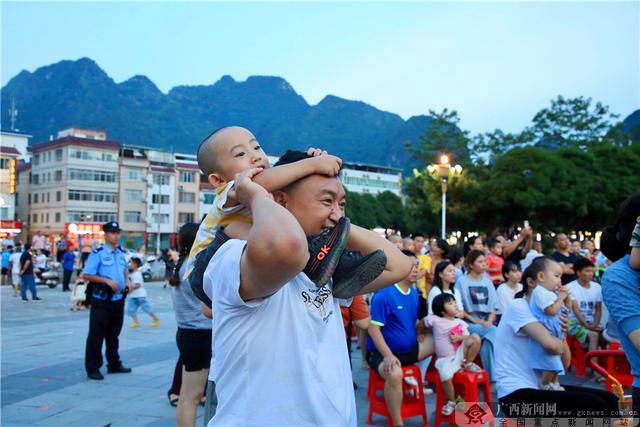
374, 358
195, 348
4, 271
15, 279
579, 332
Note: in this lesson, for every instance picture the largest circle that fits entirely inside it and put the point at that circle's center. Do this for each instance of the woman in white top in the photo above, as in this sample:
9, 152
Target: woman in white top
517, 384
444, 277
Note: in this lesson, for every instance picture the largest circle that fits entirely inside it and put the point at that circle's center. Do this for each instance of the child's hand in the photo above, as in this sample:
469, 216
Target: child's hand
456, 338
563, 293
316, 152
327, 165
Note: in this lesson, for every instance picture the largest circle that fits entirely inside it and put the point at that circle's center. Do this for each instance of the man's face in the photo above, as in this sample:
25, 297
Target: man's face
418, 242
562, 242
317, 202
586, 274
112, 237
237, 150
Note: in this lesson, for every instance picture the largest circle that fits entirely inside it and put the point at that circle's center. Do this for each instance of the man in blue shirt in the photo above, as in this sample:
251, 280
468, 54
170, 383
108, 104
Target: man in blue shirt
396, 338
621, 287
106, 270
6, 254
68, 261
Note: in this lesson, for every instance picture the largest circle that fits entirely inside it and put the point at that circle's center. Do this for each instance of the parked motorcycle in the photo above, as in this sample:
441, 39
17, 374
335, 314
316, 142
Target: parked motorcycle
50, 277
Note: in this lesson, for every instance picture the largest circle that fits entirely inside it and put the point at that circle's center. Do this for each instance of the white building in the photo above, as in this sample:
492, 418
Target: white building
362, 178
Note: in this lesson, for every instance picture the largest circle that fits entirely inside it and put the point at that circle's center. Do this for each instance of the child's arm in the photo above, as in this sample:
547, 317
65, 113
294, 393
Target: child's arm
554, 308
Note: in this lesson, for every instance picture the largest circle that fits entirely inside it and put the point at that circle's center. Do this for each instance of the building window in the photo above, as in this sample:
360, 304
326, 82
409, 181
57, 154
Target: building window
92, 196
4, 213
132, 216
160, 218
186, 197
92, 175
59, 154
47, 216
132, 175
35, 198
161, 179
58, 196
29, 199
185, 217
208, 198
187, 176
48, 199
78, 216
36, 159
5, 163
57, 217
58, 176
160, 199
35, 178
42, 217
48, 156
132, 195
35, 218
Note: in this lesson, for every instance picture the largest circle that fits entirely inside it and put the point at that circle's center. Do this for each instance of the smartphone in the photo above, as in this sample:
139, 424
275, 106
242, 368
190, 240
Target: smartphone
526, 223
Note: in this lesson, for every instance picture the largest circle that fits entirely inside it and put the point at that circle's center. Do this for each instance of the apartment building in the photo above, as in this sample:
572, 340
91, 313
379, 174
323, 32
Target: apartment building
187, 189
74, 183
363, 178
161, 200
13, 148
132, 209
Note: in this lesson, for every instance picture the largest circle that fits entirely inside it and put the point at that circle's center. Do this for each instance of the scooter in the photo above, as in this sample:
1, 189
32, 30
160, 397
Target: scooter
50, 277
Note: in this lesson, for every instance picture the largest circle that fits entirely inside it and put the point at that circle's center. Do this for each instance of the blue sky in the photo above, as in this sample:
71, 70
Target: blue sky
497, 63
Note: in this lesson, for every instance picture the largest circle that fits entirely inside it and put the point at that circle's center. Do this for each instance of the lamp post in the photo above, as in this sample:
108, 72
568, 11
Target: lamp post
443, 170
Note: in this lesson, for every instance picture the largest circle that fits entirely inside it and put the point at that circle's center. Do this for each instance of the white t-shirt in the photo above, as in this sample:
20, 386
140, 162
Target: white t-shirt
586, 299
435, 291
528, 259
15, 260
281, 360
136, 277
511, 350
41, 261
505, 296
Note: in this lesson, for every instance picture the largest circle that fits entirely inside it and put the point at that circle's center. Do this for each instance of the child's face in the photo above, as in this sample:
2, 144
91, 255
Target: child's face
497, 249
477, 244
479, 265
514, 275
450, 308
448, 274
586, 274
238, 153
551, 277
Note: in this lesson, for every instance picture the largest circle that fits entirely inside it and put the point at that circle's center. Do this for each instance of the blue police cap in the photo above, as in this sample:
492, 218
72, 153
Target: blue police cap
112, 227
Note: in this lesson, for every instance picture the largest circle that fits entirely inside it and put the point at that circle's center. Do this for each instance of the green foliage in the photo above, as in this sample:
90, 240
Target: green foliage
382, 210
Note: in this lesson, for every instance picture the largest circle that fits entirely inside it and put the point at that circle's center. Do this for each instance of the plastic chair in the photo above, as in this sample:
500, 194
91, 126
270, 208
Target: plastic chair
413, 403
465, 383
619, 368
577, 356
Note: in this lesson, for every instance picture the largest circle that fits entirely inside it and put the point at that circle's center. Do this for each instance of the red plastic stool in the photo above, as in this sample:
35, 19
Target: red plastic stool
465, 383
619, 368
577, 356
413, 403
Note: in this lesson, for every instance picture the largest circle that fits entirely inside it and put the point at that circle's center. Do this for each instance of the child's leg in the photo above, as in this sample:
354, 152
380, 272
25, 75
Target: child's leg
132, 308
547, 377
146, 307
449, 392
471, 347
238, 230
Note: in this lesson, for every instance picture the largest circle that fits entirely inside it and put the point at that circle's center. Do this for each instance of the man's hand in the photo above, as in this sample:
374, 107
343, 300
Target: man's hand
245, 191
388, 364
316, 152
486, 324
527, 232
112, 284
327, 165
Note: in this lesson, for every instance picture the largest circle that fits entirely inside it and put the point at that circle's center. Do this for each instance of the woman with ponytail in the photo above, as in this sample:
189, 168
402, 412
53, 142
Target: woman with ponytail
517, 385
621, 284
194, 333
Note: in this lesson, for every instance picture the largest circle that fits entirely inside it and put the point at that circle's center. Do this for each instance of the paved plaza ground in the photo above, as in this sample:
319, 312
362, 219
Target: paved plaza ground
43, 377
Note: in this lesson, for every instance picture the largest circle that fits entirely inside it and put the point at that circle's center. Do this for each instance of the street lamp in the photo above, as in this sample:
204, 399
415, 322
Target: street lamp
442, 171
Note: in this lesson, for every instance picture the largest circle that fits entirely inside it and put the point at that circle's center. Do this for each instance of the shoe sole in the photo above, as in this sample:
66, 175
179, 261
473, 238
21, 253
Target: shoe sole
366, 273
337, 243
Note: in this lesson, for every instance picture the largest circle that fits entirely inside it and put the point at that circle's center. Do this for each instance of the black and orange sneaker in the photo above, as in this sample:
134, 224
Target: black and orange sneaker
200, 264
325, 250
355, 271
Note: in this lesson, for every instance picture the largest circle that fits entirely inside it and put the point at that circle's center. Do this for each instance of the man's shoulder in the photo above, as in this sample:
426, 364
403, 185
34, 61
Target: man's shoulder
98, 250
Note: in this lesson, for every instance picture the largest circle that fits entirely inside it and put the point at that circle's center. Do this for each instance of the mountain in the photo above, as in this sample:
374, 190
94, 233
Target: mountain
135, 112
631, 124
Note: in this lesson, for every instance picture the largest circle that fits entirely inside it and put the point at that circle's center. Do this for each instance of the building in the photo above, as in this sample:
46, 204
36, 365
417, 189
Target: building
17, 140
362, 178
132, 195
13, 150
161, 200
188, 189
74, 184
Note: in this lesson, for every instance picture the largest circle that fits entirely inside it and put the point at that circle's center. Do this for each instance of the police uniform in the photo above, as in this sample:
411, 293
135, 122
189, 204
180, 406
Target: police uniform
107, 307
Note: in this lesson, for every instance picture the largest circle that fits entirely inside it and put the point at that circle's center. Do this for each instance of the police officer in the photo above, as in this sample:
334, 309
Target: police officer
106, 270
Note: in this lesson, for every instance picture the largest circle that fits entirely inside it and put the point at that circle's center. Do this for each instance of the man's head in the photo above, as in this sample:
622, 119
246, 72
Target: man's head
413, 275
316, 201
418, 242
111, 233
27, 247
227, 152
561, 242
585, 269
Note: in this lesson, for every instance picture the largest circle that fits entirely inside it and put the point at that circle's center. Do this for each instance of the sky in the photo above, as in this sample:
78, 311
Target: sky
496, 63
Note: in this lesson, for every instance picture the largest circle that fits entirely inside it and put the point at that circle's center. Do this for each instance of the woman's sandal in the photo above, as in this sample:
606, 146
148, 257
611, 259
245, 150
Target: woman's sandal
173, 401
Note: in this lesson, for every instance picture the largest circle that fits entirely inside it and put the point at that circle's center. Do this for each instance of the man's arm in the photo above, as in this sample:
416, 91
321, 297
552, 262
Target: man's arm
276, 249
25, 266
398, 264
524, 233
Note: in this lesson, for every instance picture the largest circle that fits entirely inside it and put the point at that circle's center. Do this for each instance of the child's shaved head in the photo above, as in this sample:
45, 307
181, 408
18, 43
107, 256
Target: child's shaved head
206, 153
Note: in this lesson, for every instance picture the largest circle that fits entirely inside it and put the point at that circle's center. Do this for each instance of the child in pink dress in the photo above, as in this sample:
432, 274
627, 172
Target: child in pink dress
455, 347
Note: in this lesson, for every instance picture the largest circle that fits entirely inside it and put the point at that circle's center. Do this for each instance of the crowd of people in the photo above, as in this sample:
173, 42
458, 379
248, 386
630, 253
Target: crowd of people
258, 286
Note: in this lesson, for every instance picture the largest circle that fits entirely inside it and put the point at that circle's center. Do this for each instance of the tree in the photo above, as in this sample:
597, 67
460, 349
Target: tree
490, 145
575, 122
442, 136
392, 212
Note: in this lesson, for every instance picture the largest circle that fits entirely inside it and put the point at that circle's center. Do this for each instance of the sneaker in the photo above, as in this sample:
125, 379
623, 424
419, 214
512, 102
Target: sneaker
134, 325
154, 323
36, 299
97, 375
472, 367
25, 300
355, 271
200, 264
547, 387
118, 370
448, 408
557, 387
427, 391
325, 250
